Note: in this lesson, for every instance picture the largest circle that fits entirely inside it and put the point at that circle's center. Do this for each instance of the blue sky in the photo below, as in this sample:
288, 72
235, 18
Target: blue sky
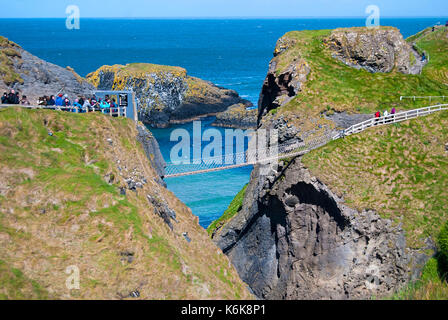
222, 8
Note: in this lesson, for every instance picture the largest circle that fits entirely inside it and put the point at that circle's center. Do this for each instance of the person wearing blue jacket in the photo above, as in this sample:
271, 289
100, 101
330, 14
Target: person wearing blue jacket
105, 106
76, 104
59, 101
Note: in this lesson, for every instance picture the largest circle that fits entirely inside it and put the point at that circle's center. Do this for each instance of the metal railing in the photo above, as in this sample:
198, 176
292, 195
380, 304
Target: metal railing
113, 112
430, 98
390, 119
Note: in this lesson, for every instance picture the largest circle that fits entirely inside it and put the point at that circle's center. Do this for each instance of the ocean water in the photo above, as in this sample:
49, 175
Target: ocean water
233, 53
208, 195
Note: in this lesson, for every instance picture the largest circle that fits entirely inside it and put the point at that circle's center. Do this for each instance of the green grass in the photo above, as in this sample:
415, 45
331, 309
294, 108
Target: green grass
58, 162
64, 212
14, 285
342, 88
234, 207
432, 284
401, 172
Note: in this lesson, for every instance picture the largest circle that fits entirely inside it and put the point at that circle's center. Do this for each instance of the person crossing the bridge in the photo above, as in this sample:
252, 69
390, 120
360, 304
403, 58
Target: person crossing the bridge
386, 116
377, 117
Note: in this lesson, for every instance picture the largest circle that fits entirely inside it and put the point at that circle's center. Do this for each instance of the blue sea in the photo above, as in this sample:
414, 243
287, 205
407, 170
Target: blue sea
233, 53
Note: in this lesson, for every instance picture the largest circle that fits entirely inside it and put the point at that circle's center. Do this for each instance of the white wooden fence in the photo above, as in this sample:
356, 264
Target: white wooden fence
390, 119
430, 98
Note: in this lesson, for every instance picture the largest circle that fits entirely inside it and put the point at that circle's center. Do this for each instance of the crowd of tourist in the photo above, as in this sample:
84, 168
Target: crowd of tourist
14, 98
81, 104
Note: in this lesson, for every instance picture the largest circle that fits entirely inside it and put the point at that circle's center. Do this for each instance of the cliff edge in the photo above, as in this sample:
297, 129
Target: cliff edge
78, 195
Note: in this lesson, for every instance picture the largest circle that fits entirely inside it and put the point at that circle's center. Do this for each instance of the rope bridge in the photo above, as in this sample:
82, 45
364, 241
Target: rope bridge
243, 159
262, 156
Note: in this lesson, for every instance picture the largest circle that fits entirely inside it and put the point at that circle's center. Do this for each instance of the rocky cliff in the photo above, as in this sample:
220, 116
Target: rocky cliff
165, 94
34, 77
354, 219
295, 239
78, 196
375, 50
330, 79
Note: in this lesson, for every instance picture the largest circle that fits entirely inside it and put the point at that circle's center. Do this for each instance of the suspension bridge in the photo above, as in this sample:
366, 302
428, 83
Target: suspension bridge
264, 156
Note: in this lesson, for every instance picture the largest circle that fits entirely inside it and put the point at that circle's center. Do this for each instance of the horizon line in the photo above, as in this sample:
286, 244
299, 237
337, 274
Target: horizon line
236, 17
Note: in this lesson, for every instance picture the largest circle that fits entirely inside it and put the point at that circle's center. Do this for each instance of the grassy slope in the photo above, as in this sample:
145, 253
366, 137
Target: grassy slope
430, 286
234, 207
15, 285
56, 210
400, 171
334, 86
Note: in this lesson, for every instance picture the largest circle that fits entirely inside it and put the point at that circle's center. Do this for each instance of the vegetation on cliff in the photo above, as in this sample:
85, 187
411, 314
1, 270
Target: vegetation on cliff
78, 190
333, 86
9, 51
433, 283
122, 74
234, 207
400, 171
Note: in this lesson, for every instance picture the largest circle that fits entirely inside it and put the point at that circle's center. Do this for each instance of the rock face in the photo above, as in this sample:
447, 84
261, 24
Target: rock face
35, 77
152, 151
282, 83
295, 239
375, 50
237, 116
165, 94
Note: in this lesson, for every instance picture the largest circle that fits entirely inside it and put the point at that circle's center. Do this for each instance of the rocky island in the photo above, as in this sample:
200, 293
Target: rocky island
165, 94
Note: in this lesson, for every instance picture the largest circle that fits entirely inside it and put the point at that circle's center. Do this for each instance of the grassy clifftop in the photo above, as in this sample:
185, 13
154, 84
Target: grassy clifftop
400, 171
122, 73
334, 86
65, 200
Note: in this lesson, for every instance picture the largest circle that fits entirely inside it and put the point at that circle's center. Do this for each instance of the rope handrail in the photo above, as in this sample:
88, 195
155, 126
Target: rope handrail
299, 148
257, 156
